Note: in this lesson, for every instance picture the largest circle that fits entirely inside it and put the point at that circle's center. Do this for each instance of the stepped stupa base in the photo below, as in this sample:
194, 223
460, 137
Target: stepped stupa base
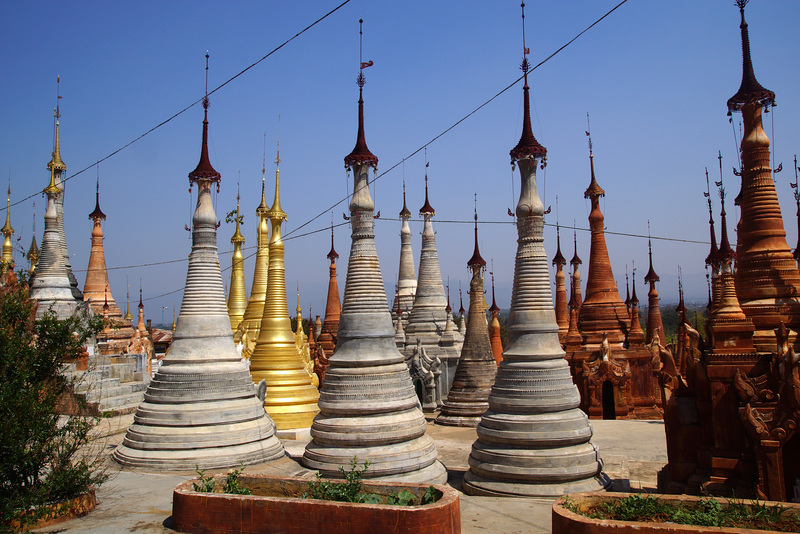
409, 461
482, 487
294, 434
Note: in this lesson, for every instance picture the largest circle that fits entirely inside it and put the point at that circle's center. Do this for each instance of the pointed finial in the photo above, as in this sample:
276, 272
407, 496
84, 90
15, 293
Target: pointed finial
634, 298
494, 308
426, 208
204, 170
750, 91
528, 146
278, 156
448, 309
476, 258
651, 273
332, 255
361, 153
141, 304
594, 189
460, 300
97, 213
627, 289
575, 259
404, 213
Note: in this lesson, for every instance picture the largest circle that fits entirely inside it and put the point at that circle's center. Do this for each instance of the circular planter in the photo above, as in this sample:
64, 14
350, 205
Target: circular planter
277, 506
567, 522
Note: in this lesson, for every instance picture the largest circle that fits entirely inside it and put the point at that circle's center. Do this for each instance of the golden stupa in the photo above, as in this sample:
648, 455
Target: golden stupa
247, 331
237, 298
7, 258
291, 399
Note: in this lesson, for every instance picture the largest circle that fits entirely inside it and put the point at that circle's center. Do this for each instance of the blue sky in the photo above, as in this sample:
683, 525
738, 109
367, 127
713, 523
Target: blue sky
654, 76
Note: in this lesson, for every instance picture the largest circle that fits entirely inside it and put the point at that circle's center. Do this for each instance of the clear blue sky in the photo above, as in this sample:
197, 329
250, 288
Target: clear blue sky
655, 77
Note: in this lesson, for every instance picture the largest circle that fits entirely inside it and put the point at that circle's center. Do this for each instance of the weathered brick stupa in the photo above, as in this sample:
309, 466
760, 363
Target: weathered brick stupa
368, 406
494, 329
428, 318
201, 407
654, 323
291, 398
407, 278
767, 279
96, 290
51, 286
247, 332
237, 296
533, 440
732, 407
7, 258
562, 308
612, 367
469, 397
333, 309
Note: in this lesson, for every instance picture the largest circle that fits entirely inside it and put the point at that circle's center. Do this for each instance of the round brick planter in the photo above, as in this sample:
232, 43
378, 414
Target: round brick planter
567, 522
277, 506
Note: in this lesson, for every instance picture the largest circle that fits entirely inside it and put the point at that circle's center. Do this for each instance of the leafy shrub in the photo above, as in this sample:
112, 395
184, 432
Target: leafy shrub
41, 460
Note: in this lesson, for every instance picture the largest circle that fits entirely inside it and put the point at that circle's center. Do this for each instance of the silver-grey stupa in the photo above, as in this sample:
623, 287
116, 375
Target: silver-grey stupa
368, 406
533, 440
201, 407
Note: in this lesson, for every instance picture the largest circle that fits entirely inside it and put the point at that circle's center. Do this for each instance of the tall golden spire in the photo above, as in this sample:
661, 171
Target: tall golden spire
291, 398
237, 298
33, 252
128, 317
247, 331
7, 258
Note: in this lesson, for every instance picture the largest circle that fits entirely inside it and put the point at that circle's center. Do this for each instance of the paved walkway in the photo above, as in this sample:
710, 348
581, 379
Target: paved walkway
133, 501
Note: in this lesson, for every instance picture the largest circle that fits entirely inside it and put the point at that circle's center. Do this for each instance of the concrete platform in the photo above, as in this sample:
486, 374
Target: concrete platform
133, 501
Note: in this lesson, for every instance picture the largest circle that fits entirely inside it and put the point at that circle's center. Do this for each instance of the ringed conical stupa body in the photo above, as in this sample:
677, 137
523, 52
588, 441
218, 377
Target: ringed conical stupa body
291, 398
428, 320
406, 278
469, 397
51, 287
368, 406
201, 407
533, 440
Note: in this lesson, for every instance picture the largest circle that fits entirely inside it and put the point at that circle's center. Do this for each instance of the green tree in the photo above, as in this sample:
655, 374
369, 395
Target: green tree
41, 460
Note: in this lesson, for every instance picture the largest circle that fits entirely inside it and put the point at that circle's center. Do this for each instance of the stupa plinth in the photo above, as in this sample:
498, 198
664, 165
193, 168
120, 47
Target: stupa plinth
201, 407
533, 440
291, 398
368, 406
469, 396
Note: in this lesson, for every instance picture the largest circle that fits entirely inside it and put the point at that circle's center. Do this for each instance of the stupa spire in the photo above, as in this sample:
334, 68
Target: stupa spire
635, 334
333, 308
33, 251
237, 297
654, 321
7, 258
762, 247
428, 321
51, 286
796, 253
407, 277
96, 288
200, 408
602, 308
291, 398
533, 440
128, 317
468, 398
494, 327
247, 331
368, 406
562, 308
57, 168
575, 278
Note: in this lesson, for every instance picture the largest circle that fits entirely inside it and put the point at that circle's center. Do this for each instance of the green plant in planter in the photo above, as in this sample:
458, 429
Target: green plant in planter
208, 484
350, 489
232, 483
205, 483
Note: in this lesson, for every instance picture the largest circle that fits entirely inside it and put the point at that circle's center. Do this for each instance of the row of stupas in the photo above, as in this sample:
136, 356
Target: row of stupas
731, 403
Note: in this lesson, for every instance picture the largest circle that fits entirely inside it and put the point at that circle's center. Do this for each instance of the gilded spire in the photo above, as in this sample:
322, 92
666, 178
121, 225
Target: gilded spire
750, 91
237, 297
33, 251
7, 230
291, 398
128, 317
56, 164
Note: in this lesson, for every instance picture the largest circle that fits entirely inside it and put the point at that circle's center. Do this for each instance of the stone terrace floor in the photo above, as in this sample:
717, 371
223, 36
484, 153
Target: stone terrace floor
134, 501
